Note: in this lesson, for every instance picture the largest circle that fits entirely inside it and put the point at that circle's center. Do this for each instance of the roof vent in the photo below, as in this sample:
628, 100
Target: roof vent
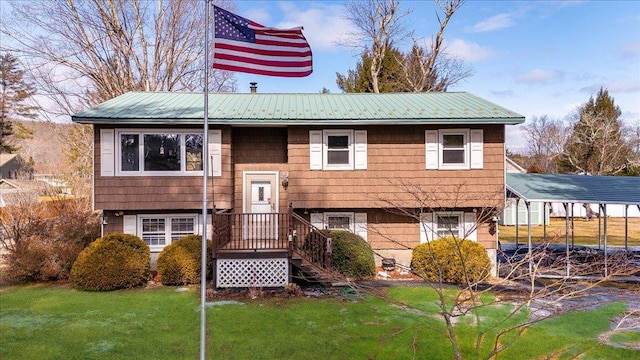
253, 87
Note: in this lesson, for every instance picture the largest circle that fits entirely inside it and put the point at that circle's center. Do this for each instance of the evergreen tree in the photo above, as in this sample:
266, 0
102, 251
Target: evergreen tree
596, 145
359, 79
404, 72
16, 93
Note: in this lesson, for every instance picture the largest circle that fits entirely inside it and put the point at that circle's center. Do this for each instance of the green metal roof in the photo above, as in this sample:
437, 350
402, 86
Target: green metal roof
575, 188
298, 109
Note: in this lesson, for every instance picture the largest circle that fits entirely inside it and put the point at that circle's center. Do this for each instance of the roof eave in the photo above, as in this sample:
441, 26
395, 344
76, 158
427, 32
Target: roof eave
295, 122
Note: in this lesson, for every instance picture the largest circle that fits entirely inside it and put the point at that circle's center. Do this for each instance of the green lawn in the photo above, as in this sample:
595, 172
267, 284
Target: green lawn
55, 322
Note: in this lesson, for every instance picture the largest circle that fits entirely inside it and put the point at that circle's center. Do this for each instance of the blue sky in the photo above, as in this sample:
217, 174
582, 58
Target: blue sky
533, 57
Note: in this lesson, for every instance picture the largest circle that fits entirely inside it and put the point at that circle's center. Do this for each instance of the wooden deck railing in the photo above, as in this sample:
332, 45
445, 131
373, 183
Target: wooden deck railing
250, 231
272, 231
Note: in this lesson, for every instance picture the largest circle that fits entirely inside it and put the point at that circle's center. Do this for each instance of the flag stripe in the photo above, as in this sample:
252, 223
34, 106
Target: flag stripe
246, 46
300, 72
278, 41
262, 50
258, 61
263, 67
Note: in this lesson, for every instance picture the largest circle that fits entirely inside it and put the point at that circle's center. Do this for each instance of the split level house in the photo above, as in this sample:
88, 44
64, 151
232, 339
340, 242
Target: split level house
396, 169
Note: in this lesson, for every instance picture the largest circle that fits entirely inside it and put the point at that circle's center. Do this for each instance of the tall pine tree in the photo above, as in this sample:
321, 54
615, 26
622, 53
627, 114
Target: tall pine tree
14, 103
596, 145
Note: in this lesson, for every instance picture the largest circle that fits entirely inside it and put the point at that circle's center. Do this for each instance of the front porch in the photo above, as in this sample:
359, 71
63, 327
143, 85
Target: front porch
261, 249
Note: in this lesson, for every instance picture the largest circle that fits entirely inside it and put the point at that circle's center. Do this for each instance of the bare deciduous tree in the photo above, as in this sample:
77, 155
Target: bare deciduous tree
517, 299
79, 156
85, 52
434, 64
420, 75
379, 24
545, 138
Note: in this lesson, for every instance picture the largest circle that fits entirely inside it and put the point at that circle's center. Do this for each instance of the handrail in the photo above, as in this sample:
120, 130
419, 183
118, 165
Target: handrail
311, 243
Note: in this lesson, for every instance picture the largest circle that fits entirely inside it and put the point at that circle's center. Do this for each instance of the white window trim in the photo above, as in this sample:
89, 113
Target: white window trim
167, 218
350, 215
467, 227
141, 133
466, 148
461, 226
357, 226
325, 150
319, 148
473, 147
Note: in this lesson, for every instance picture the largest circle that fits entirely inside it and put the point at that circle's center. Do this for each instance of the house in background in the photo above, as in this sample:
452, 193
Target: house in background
14, 192
13, 166
509, 216
284, 165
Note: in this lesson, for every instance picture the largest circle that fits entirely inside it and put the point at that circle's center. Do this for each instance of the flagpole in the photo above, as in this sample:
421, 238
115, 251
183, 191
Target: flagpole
205, 155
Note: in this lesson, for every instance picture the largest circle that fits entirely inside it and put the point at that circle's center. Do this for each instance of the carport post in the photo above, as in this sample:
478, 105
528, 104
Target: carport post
528, 205
566, 233
572, 226
544, 221
604, 213
626, 227
517, 221
599, 226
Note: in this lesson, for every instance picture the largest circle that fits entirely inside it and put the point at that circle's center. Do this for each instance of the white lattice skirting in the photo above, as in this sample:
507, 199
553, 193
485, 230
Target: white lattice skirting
252, 272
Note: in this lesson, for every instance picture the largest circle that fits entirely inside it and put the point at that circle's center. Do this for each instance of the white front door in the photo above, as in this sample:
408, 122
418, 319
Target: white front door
261, 206
261, 201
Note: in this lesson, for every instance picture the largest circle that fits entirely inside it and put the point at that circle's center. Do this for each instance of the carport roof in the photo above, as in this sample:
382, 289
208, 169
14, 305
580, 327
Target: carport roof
575, 188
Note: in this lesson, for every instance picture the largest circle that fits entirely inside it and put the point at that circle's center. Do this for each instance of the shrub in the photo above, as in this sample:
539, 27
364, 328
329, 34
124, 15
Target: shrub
351, 255
41, 241
114, 261
449, 260
179, 263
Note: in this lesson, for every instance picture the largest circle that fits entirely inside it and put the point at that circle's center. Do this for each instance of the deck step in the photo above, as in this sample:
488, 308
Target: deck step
312, 271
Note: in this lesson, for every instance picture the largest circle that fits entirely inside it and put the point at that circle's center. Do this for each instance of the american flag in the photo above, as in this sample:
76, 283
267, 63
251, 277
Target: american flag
246, 46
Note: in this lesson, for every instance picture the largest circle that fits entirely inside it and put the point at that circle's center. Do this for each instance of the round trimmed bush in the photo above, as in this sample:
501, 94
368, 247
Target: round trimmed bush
179, 263
443, 260
114, 261
351, 255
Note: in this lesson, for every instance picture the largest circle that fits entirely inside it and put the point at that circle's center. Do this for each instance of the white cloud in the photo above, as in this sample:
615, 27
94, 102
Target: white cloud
495, 22
572, 107
514, 138
324, 25
258, 15
503, 93
468, 51
629, 50
613, 87
539, 76
623, 87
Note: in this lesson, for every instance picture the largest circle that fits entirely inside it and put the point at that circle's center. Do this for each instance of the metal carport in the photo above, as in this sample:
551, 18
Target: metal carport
574, 189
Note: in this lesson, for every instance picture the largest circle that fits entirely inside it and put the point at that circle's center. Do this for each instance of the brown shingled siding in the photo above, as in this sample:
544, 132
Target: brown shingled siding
391, 231
259, 145
387, 231
166, 192
396, 162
